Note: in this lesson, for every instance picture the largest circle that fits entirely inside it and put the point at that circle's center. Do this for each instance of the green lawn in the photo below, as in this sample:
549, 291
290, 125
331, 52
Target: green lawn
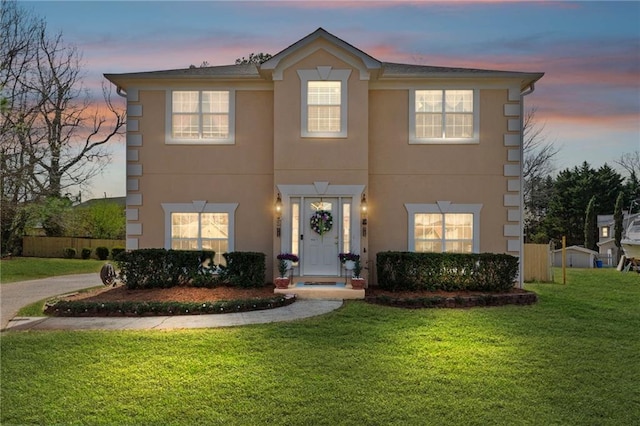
571, 359
31, 268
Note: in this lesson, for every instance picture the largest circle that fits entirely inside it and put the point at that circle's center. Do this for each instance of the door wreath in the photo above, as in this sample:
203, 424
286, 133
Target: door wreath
321, 221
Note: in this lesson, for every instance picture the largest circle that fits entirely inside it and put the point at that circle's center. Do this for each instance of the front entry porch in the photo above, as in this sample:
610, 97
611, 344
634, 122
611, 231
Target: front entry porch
321, 288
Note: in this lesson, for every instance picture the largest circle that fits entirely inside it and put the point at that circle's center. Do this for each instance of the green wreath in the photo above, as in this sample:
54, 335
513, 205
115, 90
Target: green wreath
321, 221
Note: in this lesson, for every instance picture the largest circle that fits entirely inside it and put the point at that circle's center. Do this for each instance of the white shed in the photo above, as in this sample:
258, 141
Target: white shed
577, 257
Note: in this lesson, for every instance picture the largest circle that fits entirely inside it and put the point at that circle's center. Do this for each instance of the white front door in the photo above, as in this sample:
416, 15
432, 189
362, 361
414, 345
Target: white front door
320, 245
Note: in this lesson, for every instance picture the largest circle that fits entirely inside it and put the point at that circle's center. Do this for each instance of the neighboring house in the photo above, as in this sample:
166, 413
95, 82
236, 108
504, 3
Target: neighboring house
606, 242
576, 257
404, 157
606, 233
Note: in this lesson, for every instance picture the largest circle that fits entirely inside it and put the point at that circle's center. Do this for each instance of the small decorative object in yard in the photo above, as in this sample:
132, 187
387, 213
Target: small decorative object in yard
321, 222
108, 274
349, 260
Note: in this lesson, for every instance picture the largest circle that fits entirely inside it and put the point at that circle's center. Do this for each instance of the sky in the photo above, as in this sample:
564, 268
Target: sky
588, 101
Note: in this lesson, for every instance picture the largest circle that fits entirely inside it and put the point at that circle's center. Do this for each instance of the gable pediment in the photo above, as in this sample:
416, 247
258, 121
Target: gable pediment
320, 40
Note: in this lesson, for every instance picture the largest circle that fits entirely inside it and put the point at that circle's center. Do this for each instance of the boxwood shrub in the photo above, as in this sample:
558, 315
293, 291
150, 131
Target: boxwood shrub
115, 251
159, 268
409, 271
102, 252
85, 253
244, 269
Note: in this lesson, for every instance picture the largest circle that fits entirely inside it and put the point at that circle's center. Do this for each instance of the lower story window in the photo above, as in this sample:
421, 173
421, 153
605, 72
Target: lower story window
449, 232
444, 227
200, 226
200, 231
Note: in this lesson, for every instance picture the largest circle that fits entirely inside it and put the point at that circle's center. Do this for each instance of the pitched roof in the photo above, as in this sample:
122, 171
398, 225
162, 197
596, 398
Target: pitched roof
385, 70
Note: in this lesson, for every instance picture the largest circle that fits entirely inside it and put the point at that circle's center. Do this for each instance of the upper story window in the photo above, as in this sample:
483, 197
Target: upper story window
323, 106
605, 231
200, 116
443, 116
324, 102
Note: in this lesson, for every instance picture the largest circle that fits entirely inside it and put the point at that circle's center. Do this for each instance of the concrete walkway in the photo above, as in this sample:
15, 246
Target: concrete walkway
17, 295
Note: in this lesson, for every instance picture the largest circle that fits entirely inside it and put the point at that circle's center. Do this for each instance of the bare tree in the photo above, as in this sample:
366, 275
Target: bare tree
630, 161
52, 132
538, 152
537, 168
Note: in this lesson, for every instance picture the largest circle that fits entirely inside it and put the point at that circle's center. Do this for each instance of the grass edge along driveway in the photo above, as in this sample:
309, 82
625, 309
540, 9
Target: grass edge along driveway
571, 359
33, 268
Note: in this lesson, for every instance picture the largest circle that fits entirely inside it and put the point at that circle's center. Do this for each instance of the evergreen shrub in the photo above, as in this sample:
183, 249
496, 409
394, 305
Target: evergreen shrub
85, 253
159, 268
244, 269
102, 253
409, 271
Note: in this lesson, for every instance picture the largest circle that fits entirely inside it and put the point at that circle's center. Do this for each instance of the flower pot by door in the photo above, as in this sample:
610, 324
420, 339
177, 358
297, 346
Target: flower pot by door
282, 282
357, 283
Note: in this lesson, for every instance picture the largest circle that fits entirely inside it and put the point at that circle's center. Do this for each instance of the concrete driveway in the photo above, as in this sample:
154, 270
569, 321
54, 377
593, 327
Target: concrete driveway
14, 296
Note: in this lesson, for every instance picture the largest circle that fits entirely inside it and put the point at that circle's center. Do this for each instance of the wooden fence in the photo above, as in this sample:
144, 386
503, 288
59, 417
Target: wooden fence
538, 263
55, 246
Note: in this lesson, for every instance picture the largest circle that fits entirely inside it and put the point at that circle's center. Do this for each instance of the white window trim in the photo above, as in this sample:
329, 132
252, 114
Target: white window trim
443, 207
170, 140
199, 207
325, 73
413, 139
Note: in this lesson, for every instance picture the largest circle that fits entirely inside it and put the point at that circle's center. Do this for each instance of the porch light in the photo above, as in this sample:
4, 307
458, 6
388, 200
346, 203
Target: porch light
363, 203
278, 205
278, 216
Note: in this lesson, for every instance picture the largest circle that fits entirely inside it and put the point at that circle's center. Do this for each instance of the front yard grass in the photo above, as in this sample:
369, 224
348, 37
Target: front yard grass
32, 268
571, 359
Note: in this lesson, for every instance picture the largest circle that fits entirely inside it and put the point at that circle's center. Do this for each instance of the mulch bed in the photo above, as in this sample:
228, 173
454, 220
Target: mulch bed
264, 298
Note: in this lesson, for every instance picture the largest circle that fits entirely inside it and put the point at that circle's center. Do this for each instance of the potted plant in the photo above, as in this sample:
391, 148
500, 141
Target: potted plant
349, 260
357, 282
285, 262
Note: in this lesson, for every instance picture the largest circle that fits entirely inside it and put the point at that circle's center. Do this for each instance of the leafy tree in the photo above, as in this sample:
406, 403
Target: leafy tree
591, 225
53, 215
618, 225
106, 220
254, 58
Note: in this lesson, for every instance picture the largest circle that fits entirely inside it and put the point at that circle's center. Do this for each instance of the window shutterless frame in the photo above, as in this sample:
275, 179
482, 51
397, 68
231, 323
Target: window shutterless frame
443, 116
200, 117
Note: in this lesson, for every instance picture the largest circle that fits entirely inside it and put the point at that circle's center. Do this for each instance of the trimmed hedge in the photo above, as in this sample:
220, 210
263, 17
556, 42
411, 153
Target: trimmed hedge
115, 251
244, 269
85, 253
409, 271
102, 252
69, 253
159, 268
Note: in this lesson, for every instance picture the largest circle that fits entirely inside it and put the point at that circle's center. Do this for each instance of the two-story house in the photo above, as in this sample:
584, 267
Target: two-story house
324, 149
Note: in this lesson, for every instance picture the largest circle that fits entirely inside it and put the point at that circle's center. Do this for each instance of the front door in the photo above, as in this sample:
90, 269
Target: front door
320, 238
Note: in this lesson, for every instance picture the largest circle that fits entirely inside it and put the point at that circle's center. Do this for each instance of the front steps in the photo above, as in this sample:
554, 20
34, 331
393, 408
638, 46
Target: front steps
341, 290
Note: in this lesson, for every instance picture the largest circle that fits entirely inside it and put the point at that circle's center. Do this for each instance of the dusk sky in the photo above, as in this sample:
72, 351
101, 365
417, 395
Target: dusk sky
588, 100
